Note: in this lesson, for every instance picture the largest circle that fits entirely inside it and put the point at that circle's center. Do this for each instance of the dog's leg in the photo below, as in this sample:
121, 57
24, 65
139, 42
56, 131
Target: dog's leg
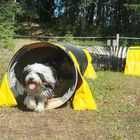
30, 102
40, 107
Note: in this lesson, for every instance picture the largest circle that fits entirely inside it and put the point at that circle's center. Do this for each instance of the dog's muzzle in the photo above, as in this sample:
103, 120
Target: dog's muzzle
31, 85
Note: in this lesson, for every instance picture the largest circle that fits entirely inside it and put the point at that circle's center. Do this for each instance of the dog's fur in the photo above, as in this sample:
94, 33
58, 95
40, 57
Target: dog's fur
39, 81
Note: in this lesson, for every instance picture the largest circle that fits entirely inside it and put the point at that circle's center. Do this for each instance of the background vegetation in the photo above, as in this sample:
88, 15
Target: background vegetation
69, 18
84, 17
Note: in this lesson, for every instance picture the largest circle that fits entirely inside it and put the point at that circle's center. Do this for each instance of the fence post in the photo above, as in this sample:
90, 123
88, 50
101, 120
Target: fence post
117, 40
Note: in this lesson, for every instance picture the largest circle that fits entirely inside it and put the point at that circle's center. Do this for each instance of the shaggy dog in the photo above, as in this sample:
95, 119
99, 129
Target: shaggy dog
39, 81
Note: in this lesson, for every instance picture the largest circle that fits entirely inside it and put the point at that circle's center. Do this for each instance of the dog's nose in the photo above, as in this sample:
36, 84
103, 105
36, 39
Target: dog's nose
31, 79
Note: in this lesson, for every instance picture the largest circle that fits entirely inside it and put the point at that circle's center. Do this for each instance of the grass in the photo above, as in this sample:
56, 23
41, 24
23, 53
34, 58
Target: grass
117, 118
117, 97
84, 42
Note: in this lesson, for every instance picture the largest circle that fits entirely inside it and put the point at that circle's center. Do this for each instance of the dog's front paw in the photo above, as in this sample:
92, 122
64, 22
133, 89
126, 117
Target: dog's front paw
30, 102
40, 107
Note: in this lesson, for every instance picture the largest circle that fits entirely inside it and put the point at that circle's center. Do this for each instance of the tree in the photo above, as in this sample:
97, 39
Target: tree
45, 10
133, 23
8, 10
77, 17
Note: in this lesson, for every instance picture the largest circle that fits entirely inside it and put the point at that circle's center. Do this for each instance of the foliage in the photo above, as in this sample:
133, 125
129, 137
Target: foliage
70, 17
133, 17
8, 11
84, 17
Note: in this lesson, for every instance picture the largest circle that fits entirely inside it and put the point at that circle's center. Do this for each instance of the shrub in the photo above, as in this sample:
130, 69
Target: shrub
8, 12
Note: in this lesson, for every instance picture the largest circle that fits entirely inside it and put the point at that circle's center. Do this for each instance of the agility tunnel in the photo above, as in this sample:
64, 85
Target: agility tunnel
108, 57
73, 66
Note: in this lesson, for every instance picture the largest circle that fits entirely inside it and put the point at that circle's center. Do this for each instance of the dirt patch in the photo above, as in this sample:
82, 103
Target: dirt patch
61, 124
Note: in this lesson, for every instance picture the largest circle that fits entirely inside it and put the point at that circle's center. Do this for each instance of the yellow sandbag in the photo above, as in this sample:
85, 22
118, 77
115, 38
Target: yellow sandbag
132, 66
83, 99
6, 96
89, 72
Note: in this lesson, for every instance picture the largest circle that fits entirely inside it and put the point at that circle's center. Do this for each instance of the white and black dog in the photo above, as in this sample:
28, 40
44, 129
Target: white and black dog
39, 81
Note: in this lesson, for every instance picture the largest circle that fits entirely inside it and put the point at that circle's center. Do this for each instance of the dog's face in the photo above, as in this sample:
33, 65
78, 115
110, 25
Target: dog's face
33, 80
38, 76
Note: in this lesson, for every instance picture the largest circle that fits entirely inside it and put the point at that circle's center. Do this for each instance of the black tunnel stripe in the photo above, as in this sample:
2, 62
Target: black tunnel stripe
78, 53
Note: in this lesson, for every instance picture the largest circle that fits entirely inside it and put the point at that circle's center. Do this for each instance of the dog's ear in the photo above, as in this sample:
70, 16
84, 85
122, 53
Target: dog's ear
51, 64
55, 76
23, 75
46, 84
41, 76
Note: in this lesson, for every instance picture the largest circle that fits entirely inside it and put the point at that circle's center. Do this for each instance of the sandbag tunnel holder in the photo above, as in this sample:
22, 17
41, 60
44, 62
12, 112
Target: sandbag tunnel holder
77, 60
132, 66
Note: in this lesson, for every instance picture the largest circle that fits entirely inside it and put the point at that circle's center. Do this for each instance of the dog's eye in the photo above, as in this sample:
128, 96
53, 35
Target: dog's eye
47, 85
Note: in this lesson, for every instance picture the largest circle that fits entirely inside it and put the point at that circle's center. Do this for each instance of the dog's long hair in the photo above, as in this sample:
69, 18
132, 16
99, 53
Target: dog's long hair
43, 75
